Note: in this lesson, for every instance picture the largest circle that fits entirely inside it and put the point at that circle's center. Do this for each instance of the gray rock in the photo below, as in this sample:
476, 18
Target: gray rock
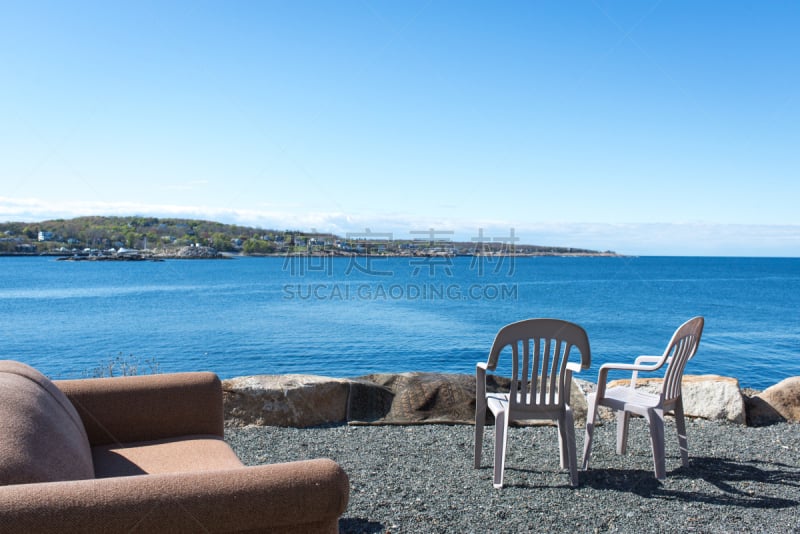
777, 403
285, 400
708, 396
196, 252
409, 398
412, 398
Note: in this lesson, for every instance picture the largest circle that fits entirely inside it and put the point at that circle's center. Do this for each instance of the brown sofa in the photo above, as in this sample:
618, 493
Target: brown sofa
144, 454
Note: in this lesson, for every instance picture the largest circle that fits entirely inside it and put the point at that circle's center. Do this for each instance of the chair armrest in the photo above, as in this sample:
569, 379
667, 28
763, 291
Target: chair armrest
657, 360
602, 375
142, 408
606, 367
575, 367
647, 359
571, 367
480, 380
290, 497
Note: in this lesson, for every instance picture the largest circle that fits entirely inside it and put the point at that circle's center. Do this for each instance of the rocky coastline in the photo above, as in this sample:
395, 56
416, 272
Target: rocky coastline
184, 253
304, 401
201, 252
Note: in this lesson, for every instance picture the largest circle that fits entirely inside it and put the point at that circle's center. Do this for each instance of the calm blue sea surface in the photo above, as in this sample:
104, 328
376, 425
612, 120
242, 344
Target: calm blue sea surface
353, 316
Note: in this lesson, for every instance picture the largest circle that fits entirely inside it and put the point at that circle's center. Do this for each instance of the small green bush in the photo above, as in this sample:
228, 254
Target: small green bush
129, 365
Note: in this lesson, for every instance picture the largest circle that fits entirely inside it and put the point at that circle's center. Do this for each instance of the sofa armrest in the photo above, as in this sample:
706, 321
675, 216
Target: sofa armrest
142, 408
305, 496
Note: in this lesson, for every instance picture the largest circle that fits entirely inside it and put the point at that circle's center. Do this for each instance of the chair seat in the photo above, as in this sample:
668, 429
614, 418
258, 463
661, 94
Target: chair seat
617, 398
499, 402
190, 453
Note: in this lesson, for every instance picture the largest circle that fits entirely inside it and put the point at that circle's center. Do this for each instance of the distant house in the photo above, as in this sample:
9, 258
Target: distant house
45, 236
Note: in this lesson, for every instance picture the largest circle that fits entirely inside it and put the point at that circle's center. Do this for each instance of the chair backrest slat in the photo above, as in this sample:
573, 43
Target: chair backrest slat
525, 384
537, 354
514, 361
562, 361
543, 371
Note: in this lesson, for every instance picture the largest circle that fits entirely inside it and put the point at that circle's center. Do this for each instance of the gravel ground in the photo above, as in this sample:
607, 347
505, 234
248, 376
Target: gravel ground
421, 479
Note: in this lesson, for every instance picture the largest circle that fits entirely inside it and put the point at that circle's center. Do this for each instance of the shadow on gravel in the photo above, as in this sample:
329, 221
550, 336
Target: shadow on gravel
356, 524
530, 473
730, 479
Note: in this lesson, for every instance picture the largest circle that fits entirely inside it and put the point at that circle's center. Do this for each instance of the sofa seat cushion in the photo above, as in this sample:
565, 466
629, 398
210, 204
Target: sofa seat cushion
173, 455
42, 438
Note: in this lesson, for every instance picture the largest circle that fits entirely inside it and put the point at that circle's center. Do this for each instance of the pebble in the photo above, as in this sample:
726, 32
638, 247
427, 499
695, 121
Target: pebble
408, 479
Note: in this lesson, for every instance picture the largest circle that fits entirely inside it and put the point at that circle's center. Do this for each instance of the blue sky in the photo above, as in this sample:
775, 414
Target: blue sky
644, 127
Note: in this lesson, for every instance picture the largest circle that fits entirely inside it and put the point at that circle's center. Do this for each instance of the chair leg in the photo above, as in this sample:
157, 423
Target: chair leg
563, 441
480, 419
623, 418
655, 418
500, 441
683, 442
591, 414
572, 459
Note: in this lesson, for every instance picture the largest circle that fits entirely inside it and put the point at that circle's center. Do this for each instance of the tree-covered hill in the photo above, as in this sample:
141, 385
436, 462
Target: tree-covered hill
132, 232
166, 234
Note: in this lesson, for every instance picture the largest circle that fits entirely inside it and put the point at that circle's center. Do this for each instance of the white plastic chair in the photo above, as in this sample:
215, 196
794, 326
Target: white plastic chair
627, 400
541, 381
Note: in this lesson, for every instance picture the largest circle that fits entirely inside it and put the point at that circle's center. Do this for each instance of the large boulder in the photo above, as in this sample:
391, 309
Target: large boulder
705, 396
414, 398
777, 403
285, 400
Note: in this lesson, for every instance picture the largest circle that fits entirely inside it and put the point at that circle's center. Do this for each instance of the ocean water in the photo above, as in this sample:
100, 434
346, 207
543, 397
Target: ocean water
353, 316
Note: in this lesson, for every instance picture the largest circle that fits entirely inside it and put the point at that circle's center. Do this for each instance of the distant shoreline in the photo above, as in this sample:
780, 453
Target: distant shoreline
223, 256
96, 234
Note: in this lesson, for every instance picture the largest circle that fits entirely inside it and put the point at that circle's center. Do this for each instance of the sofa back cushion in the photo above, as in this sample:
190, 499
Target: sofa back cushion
42, 438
